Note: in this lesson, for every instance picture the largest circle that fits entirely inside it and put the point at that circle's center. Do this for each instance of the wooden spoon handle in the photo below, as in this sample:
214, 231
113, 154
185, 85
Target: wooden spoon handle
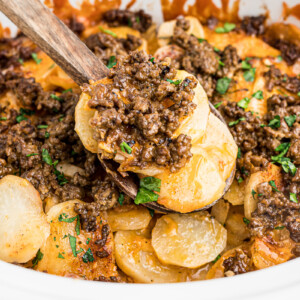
54, 38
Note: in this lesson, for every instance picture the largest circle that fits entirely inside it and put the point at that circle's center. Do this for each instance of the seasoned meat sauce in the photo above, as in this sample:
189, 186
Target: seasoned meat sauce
37, 138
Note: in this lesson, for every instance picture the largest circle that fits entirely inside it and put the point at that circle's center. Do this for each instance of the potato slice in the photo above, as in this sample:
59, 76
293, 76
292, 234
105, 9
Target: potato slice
188, 240
220, 211
60, 259
23, 224
172, 51
236, 193
128, 217
136, 258
273, 172
166, 30
213, 160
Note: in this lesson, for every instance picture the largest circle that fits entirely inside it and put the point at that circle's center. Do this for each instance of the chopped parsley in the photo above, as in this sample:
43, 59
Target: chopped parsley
246, 221
3, 118
221, 63
287, 165
111, 62
283, 149
21, 61
275, 123
216, 259
35, 58
253, 193
152, 59
63, 218
279, 58
223, 85
290, 120
239, 153
244, 102
216, 49
88, 241
249, 75
55, 97
60, 255
47, 135
137, 19
279, 227
39, 256
176, 82
146, 192
42, 126
246, 65
121, 199
258, 95
226, 28
240, 180
68, 90
23, 112
273, 185
125, 147
88, 256
151, 211
218, 104
230, 124
31, 154
145, 196
201, 40
293, 197
107, 31
150, 183
46, 157
72, 240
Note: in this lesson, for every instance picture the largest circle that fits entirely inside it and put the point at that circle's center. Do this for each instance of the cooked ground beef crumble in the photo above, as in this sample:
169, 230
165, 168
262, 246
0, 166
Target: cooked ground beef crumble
148, 119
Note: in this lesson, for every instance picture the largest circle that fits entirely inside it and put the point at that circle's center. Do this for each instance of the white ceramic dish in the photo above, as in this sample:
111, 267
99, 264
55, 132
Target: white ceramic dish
279, 282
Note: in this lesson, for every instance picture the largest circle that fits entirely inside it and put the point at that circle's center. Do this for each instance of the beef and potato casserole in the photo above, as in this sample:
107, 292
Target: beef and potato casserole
187, 108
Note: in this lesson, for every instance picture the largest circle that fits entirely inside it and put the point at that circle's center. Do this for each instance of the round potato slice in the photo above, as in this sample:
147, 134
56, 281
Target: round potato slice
203, 179
23, 224
72, 252
166, 30
136, 258
128, 217
188, 240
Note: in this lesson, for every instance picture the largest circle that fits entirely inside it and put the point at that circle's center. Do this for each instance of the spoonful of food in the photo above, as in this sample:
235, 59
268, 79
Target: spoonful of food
152, 126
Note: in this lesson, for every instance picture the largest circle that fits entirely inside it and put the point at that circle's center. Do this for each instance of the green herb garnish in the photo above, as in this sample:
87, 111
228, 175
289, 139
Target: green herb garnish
240, 180
223, 85
42, 126
151, 211
249, 75
107, 31
35, 58
39, 256
246, 221
230, 124
293, 197
60, 255
283, 149
21, 61
226, 28
47, 135
152, 59
176, 82
68, 90
31, 154
244, 102
145, 196
72, 240
121, 199
150, 183
3, 118
239, 153
88, 241
125, 147
273, 185
290, 120
275, 123
111, 62
55, 97
258, 95
279, 227
279, 58
253, 193
216, 259
218, 104
46, 157
88, 256
201, 40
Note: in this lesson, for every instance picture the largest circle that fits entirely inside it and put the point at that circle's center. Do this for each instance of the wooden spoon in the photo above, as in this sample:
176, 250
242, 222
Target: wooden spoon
66, 49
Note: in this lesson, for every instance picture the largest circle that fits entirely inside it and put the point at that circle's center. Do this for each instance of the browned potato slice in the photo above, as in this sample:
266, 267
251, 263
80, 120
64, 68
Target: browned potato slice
188, 240
128, 217
67, 253
272, 173
166, 30
23, 224
136, 257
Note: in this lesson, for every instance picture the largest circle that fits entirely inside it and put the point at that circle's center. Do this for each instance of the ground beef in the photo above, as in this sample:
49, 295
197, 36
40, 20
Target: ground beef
201, 59
145, 120
76, 26
254, 25
137, 20
106, 46
276, 79
238, 264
